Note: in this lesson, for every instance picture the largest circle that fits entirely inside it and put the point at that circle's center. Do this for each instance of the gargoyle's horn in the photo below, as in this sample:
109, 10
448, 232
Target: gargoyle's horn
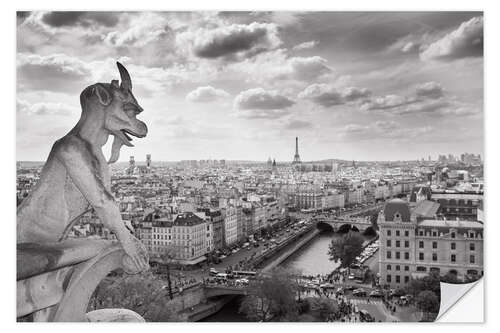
126, 81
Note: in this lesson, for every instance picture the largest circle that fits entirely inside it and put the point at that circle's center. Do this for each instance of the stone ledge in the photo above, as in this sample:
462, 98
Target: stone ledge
34, 259
56, 281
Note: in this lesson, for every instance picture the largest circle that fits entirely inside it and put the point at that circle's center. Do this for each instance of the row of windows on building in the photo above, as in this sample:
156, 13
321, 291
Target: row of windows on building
453, 245
459, 202
398, 255
453, 234
398, 243
397, 278
434, 233
180, 230
461, 210
424, 269
169, 237
398, 233
421, 256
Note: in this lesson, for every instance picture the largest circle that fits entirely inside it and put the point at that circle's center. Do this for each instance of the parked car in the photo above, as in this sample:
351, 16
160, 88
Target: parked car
327, 286
396, 292
376, 293
359, 292
221, 277
213, 272
406, 298
243, 282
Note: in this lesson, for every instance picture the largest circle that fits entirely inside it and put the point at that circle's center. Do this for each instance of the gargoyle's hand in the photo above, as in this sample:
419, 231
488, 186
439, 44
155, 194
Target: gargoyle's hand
136, 259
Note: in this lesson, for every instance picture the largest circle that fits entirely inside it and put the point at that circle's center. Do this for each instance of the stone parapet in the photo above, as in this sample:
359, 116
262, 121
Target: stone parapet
55, 281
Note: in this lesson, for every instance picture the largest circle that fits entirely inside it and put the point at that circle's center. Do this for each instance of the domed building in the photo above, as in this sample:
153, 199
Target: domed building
397, 242
397, 210
413, 245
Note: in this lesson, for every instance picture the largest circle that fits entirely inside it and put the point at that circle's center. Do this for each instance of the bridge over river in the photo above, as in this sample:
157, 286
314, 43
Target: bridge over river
360, 219
336, 223
223, 290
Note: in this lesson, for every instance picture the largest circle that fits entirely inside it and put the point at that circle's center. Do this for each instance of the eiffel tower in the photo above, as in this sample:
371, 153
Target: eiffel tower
296, 157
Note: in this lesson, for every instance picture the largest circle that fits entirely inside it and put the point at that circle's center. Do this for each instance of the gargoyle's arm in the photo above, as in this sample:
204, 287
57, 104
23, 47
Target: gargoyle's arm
78, 162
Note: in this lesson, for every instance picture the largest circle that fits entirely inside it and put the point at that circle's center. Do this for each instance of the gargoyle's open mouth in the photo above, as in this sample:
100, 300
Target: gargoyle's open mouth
125, 136
127, 132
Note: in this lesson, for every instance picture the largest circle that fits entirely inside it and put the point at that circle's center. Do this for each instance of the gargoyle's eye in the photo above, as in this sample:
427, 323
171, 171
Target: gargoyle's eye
131, 109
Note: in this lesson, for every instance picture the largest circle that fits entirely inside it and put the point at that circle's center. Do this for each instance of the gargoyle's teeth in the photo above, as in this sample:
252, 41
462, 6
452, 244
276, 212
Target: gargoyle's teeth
126, 135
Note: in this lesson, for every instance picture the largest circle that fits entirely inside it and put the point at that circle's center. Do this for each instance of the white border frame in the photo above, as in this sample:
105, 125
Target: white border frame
8, 89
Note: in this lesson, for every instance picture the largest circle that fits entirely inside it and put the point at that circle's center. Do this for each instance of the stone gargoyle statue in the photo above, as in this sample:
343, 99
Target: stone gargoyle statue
76, 175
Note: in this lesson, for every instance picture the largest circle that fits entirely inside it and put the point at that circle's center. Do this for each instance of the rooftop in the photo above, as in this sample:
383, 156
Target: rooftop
426, 208
397, 207
451, 224
188, 219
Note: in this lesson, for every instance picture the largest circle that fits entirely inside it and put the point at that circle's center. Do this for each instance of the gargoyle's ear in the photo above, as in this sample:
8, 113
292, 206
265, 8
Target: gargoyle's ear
102, 94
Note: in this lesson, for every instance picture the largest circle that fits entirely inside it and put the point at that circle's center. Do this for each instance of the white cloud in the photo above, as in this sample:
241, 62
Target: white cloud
429, 101
409, 47
60, 62
322, 94
351, 94
387, 102
382, 130
297, 124
206, 94
306, 45
386, 124
465, 41
45, 108
308, 68
259, 98
271, 67
60, 72
429, 90
230, 40
259, 103
327, 95
142, 30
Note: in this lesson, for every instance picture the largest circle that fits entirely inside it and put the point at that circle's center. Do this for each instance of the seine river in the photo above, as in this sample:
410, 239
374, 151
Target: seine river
312, 259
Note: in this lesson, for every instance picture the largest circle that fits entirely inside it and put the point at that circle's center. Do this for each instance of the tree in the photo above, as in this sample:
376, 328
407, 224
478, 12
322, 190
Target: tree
346, 248
167, 258
370, 232
429, 282
323, 308
428, 302
272, 298
450, 277
143, 293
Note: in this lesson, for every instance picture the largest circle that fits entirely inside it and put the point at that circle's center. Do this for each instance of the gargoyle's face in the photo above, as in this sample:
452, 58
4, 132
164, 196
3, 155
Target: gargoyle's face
119, 108
121, 116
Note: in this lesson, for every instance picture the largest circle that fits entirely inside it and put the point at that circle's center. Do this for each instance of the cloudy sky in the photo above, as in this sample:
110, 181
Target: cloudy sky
241, 85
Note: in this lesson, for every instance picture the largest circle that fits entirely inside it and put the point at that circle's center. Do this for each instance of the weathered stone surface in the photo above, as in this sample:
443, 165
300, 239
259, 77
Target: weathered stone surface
76, 176
41, 291
114, 315
33, 259
56, 277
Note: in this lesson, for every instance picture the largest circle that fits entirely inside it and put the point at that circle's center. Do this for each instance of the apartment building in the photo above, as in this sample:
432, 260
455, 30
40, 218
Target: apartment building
410, 248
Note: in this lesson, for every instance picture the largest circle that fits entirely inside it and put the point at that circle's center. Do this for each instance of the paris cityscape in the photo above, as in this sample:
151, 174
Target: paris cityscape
343, 184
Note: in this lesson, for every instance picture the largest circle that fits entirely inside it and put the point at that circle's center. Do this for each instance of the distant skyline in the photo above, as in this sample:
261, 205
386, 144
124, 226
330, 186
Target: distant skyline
241, 86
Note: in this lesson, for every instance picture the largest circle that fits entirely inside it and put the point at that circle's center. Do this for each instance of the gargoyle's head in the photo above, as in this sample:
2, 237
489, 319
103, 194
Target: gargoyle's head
119, 109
